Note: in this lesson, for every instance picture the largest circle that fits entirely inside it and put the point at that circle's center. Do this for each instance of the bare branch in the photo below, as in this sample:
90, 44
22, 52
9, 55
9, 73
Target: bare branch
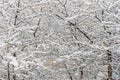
98, 18
16, 16
71, 78
74, 24
64, 5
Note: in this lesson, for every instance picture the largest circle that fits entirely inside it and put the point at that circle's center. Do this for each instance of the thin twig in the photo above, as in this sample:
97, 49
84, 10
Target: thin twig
74, 24
71, 78
16, 16
64, 5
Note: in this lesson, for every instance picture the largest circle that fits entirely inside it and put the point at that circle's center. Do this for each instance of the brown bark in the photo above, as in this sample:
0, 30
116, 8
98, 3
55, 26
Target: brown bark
109, 72
109, 54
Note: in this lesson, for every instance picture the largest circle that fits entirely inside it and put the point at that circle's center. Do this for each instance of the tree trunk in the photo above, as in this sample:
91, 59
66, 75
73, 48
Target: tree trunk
81, 73
14, 75
109, 54
8, 70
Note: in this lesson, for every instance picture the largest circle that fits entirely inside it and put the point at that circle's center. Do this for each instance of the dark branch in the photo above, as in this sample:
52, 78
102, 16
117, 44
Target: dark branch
71, 78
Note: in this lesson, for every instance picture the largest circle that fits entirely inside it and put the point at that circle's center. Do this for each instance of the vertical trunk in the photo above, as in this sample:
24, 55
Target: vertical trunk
8, 70
14, 75
109, 54
81, 73
109, 72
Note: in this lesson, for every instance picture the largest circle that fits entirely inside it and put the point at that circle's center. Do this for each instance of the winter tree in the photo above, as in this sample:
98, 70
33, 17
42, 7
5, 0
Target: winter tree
60, 39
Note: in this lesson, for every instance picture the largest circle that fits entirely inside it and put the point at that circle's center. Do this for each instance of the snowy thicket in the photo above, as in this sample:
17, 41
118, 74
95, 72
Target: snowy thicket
59, 39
